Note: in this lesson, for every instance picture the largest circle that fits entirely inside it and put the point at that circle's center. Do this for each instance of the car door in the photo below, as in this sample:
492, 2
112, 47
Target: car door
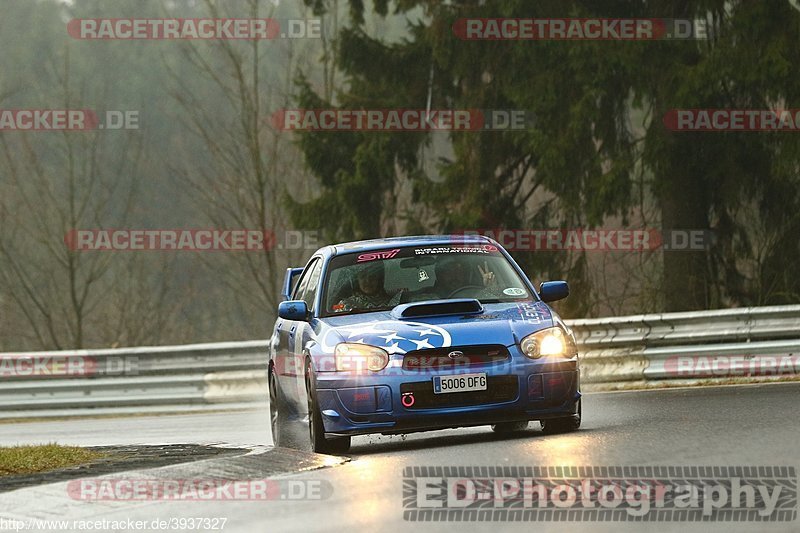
291, 334
290, 283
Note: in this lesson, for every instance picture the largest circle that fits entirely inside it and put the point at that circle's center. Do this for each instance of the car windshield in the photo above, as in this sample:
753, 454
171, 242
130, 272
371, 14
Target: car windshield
379, 280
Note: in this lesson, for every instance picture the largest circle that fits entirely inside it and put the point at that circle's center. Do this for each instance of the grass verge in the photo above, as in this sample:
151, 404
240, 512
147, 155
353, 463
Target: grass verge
22, 460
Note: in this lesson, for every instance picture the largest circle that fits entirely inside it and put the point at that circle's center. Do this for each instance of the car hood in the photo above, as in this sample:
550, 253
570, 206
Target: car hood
505, 324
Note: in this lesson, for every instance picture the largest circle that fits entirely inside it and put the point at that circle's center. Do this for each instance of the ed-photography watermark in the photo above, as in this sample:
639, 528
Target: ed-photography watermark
402, 119
198, 490
597, 239
67, 120
190, 240
128, 29
784, 120
580, 29
600, 493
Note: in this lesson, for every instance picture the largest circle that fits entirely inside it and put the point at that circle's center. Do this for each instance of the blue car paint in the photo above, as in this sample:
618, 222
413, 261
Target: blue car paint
373, 402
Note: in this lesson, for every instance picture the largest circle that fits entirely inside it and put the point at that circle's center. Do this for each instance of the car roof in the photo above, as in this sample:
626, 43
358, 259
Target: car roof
416, 240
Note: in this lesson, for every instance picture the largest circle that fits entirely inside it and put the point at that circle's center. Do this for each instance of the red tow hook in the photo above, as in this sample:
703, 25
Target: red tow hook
407, 399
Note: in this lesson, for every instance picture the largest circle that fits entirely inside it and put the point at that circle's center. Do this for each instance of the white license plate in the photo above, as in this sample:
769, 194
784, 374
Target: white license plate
459, 383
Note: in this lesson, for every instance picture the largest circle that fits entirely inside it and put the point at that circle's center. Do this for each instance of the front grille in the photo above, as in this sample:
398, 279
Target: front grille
438, 357
499, 389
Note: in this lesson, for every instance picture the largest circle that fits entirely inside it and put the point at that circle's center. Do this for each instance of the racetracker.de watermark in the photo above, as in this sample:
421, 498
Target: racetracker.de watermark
401, 119
715, 366
786, 120
433, 365
67, 120
195, 489
190, 240
579, 29
195, 28
43, 365
597, 239
172, 523
594, 493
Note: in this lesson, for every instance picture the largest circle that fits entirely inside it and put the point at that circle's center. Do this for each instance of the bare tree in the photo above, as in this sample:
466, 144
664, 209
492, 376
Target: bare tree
249, 165
56, 182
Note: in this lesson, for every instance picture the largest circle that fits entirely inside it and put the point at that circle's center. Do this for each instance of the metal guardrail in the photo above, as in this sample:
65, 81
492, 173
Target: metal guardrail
615, 352
690, 347
159, 379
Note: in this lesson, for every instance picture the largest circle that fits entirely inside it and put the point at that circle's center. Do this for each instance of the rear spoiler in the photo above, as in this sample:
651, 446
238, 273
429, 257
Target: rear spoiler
288, 282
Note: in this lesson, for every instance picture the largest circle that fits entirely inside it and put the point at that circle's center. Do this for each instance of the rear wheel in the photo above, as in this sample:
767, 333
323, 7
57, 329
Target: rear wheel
510, 427
563, 424
316, 431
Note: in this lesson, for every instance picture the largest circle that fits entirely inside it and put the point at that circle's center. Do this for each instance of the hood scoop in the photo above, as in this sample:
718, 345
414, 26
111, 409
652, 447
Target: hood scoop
462, 306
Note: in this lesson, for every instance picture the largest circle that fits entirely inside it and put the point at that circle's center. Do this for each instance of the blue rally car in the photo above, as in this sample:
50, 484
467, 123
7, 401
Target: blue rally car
410, 334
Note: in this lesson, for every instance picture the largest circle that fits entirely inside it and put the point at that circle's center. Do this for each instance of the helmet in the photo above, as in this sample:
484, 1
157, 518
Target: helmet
372, 269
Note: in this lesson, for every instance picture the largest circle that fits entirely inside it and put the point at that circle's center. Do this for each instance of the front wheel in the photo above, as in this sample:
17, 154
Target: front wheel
563, 424
277, 411
316, 431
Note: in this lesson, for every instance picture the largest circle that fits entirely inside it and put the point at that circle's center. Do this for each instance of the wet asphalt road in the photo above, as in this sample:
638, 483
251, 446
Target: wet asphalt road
752, 425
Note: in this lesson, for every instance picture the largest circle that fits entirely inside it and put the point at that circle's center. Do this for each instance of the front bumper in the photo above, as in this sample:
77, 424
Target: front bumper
518, 389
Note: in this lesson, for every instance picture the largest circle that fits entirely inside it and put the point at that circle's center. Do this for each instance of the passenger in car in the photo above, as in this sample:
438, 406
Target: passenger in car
452, 275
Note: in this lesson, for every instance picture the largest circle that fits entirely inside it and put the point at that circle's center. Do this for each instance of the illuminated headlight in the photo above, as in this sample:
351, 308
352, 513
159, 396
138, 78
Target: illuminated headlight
354, 357
548, 342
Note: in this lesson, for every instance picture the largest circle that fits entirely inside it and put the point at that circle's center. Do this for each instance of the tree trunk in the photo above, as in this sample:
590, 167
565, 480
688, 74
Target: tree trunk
686, 282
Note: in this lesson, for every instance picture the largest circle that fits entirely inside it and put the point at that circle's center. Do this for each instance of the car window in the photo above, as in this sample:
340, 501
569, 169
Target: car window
293, 283
381, 279
300, 286
397, 277
310, 292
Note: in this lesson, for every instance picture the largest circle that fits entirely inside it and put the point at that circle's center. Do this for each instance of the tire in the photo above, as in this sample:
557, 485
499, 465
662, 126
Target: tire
510, 427
277, 412
564, 424
316, 431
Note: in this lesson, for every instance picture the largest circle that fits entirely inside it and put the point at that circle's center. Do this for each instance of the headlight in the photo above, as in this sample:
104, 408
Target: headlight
354, 357
548, 342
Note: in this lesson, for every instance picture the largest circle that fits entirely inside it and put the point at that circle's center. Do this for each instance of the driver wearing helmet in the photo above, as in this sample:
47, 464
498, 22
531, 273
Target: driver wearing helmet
369, 291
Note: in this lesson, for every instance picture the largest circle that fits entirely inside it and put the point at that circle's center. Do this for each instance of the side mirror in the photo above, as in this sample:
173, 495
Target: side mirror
551, 291
293, 310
